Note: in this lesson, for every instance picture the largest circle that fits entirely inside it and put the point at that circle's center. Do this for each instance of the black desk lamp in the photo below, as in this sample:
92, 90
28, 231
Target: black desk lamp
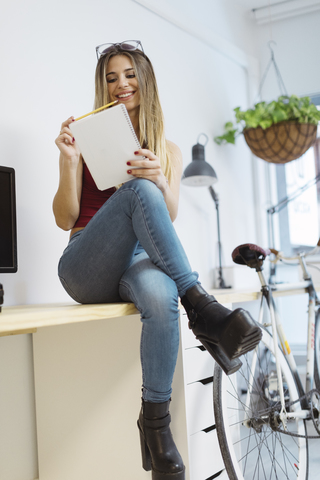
199, 174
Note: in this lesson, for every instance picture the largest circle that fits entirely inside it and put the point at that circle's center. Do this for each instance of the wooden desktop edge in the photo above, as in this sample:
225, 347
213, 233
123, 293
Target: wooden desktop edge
23, 319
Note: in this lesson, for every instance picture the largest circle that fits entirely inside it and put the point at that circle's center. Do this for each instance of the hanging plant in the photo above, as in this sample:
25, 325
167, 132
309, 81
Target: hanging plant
279, 131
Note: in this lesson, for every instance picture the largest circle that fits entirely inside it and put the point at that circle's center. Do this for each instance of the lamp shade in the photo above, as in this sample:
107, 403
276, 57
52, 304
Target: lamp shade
199, 173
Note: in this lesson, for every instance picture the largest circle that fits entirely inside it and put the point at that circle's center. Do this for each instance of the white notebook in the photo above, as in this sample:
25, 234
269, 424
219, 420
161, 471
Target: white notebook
107, 141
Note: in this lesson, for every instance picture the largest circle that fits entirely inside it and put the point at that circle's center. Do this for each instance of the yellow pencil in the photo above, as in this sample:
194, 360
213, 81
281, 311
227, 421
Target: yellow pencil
97, 110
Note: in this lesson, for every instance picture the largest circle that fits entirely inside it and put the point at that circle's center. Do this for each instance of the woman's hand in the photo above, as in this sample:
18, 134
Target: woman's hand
148, 168
66, 203
65, 141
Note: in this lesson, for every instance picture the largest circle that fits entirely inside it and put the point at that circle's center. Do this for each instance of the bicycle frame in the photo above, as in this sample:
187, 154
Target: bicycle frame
278, 333
261, 412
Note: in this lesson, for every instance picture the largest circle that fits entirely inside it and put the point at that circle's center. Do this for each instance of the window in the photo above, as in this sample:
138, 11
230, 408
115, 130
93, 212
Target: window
299, 225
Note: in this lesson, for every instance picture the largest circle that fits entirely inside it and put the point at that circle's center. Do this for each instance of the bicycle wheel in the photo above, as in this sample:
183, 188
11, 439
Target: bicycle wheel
317, 351
250, 445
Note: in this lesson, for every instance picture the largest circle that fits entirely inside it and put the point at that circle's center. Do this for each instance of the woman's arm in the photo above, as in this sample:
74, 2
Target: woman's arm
172, 190
151, 169
66, 203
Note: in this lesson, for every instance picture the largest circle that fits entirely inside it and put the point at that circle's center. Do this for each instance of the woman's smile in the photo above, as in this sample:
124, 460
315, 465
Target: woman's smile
125, 95
122, 82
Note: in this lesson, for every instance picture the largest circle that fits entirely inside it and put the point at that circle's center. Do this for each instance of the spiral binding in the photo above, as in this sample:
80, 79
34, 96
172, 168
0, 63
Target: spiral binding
125, 111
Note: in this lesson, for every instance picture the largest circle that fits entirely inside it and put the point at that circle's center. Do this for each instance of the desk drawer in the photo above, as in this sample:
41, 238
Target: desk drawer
198, 364
199, 406
205, 459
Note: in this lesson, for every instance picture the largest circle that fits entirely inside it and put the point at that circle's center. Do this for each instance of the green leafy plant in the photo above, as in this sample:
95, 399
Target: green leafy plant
289, 109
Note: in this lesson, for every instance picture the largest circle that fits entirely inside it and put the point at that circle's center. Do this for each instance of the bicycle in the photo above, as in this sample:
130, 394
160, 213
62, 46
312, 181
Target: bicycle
261, 410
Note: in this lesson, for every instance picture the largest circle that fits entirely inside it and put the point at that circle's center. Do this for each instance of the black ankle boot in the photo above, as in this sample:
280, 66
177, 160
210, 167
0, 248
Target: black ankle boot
226, 334
158, 450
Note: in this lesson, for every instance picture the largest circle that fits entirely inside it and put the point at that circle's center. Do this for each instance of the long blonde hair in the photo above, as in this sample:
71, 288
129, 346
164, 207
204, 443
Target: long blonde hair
151, 120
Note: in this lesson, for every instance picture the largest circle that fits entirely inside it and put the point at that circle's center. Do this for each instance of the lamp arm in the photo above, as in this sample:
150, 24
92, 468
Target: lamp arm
214, 196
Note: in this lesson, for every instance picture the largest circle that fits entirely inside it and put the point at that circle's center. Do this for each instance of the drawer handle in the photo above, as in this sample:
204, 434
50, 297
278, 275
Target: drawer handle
201, 347
206, 381
216, 475
209, 429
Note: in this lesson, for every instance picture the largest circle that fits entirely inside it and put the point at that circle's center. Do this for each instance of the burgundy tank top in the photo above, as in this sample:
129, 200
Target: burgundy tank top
92, 198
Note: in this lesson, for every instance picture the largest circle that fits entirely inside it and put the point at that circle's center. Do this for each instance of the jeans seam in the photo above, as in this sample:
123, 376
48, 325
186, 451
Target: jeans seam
141, 356
126, 285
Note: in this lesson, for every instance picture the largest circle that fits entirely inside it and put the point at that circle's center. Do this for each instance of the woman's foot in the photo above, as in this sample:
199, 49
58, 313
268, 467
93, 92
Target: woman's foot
226, 334
158, 450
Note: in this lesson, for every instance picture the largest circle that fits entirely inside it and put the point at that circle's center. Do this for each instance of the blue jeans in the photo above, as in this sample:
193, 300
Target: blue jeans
129, 251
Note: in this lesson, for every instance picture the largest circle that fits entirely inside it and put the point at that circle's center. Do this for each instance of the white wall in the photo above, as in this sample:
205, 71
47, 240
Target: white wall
47, 75
296, 52
47, 65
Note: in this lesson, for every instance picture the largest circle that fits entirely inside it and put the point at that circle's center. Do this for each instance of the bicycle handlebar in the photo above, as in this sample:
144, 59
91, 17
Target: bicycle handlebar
279, 255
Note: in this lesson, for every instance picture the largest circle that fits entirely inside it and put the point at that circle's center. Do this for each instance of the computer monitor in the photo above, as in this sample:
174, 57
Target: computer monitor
8, 227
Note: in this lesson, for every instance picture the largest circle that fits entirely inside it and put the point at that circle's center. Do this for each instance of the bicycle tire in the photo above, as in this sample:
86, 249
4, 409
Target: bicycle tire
317, 351
256, 451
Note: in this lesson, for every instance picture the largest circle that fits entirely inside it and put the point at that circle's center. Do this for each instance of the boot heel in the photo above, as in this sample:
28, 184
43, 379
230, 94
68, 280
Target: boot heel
145, 452
241, 335
227, 365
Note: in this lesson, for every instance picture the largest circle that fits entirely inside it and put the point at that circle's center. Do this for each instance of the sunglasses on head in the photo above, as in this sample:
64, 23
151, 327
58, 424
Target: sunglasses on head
126, 46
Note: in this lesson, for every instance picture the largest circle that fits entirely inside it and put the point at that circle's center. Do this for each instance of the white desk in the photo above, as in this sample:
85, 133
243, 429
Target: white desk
88, 389
87, 386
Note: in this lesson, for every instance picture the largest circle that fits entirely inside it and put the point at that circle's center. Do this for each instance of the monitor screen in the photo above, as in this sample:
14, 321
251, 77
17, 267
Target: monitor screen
8, 229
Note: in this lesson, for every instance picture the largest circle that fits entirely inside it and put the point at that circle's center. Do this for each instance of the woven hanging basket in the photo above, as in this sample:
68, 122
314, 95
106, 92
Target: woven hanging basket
282, 142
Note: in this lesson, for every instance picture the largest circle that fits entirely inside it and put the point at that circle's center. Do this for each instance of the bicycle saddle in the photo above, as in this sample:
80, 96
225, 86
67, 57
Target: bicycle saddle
251, 255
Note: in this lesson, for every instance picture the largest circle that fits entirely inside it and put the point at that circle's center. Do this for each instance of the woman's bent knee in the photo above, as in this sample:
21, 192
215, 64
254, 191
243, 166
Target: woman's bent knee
144, 189
153, 292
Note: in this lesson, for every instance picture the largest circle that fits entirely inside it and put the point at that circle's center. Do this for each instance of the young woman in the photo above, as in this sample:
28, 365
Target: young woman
123, 247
